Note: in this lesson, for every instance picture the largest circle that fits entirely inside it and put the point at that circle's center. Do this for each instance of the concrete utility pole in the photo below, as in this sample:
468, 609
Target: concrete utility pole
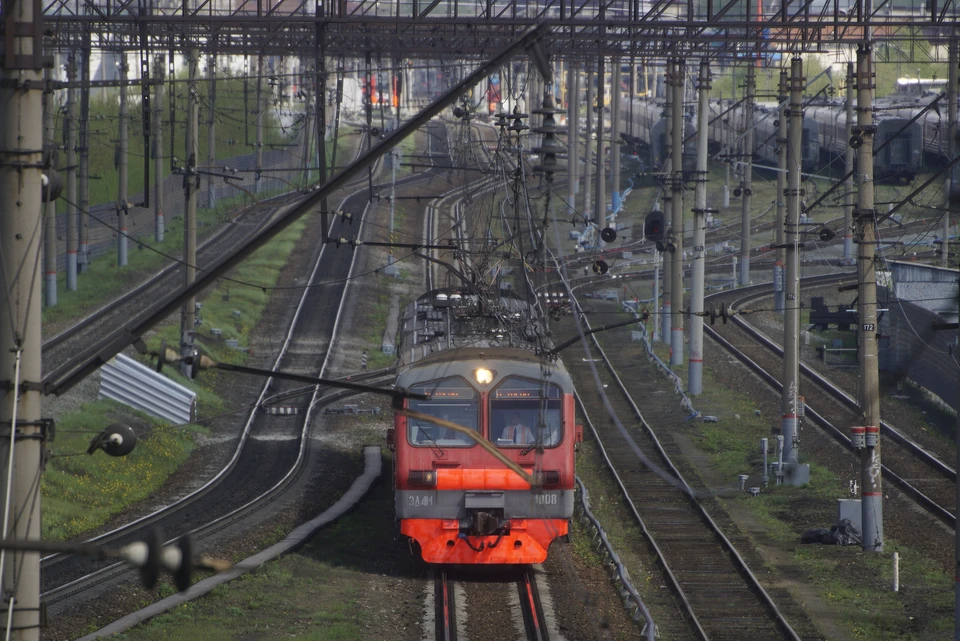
695, 369
70, 127
848, 190
22, 442
791, 315
615, 138
157, 123
83, 247
951, 144
667, 199
50, 207
191, 183
573, 133
778, 276
587, 164
124, 148
871, 482
676, 268
258, 184
727, 137
747, 165
211, 129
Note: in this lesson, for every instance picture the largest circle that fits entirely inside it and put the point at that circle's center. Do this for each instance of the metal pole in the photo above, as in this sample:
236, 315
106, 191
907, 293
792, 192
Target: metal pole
50, 207
600, 202
667, 200
791, 314
956, 573
870, 480
70, 126
258, 184
695, 370
951, 144
573, 133
211, 129
587, 163
320, 80
747, 165
158, 151
368, 109
305, 159
727, 136
848, 189
778, 276
676, 268
656, 295
124, 148
191, 184
615, 89
21, 449
83, 247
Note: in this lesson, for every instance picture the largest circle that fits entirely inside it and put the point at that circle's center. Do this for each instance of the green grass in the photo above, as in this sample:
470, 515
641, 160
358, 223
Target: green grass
81, 493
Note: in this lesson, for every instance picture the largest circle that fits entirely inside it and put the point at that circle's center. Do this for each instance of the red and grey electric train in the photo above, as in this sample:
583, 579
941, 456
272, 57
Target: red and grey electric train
476, 363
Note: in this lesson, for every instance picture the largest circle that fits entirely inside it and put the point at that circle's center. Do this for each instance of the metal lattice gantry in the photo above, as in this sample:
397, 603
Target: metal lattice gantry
440, 28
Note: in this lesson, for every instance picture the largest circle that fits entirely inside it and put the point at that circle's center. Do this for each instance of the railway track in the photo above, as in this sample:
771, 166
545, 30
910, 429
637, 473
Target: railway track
704, 570
271, 451
522, 581
925, 478
59, 349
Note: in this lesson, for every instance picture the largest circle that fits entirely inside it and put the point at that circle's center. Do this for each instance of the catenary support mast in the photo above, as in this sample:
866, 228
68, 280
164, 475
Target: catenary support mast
70, 127
676, 259
122, 204
849, 193
158, 231
21, 437
871, 482
188, 317
665, 176
695, 369
778, 267
791, 315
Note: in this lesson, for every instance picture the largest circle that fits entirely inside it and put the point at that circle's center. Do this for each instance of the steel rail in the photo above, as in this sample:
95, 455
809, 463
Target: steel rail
838, 394
295, 470
926, 502
445, 608
83, 323
752, 581
226, 469
531, 607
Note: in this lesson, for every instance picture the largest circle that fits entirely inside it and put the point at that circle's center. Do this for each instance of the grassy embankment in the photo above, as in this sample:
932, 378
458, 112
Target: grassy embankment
80, 492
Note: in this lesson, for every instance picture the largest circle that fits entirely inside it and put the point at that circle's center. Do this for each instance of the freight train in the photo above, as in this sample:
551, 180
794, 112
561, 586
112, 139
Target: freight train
902, 145
474, 358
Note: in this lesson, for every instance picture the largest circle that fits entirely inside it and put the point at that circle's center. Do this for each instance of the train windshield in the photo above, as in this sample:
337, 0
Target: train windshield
452, 399
524, 412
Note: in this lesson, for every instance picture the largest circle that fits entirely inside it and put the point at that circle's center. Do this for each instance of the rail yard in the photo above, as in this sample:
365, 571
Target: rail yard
459, 321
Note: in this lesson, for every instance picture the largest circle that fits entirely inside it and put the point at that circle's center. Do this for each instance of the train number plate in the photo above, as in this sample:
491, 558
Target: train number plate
545, 499
415, 500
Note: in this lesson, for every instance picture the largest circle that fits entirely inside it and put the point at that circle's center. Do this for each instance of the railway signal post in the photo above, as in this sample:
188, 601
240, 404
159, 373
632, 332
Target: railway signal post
747, 165
792, 473
123, 149
676, 268
615, 92
871, 482
157, 122
695, 369
21, 436
191, 185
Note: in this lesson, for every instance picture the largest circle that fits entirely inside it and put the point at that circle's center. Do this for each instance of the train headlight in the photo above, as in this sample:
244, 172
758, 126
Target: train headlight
483, 376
